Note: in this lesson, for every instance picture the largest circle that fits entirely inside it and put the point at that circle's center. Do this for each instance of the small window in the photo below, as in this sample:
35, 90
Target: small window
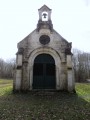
44, 39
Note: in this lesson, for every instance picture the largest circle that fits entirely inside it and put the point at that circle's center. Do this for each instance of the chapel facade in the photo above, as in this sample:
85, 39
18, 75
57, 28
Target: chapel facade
44, 59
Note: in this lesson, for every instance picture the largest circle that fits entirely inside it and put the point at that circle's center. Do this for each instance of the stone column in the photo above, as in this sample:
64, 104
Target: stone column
49, 15
25, 81
18, 76
58, 87
70, 76
40, 15
18, 79
70, 80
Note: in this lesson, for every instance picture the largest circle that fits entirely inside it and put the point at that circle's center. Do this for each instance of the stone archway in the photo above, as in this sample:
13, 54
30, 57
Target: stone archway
57, 60
44, 75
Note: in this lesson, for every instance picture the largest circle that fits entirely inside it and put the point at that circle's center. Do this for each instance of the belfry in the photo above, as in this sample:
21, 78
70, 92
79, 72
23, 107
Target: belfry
44, 58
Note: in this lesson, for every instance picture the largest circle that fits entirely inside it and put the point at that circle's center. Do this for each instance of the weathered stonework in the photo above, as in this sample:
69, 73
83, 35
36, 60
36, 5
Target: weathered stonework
30, 47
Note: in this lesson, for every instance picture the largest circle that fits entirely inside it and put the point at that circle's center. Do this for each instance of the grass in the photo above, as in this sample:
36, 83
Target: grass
83, 90
5, 86
36, 106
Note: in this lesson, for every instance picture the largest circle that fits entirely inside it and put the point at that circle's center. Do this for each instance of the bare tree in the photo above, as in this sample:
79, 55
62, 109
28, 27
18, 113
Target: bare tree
81, 62
6, 68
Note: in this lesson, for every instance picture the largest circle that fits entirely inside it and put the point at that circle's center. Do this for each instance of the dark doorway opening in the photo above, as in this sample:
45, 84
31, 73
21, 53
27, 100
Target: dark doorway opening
44, 72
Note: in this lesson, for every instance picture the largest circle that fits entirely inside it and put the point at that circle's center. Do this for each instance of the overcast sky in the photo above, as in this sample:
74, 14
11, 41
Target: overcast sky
18, 18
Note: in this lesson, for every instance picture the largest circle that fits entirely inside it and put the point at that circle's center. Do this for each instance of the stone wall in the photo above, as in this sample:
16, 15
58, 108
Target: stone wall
56, 48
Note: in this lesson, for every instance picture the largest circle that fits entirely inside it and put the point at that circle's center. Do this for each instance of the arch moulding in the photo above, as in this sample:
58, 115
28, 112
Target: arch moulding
55, 56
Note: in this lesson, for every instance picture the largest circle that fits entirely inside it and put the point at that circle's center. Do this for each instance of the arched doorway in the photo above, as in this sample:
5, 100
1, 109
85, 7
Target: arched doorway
44, 75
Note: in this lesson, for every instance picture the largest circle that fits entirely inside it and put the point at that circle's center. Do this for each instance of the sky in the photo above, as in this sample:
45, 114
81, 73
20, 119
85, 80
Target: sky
18, 18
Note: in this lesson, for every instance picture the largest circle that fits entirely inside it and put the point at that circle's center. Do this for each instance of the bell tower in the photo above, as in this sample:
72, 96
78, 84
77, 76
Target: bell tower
44, 18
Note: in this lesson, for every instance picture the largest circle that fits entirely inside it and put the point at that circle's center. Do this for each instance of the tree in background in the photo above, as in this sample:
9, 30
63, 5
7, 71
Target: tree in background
81, 64
7, 68
81, 61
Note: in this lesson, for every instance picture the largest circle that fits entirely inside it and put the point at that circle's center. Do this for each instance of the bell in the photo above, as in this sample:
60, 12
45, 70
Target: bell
44, 14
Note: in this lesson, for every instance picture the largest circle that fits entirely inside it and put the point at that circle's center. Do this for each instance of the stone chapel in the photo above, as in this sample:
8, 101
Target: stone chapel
44, 59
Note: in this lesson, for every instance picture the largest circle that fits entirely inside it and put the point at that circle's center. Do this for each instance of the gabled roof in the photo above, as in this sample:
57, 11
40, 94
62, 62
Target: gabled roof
44, 7
60, 36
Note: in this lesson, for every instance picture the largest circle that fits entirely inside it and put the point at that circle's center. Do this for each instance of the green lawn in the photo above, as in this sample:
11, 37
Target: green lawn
5, 86
51, 106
